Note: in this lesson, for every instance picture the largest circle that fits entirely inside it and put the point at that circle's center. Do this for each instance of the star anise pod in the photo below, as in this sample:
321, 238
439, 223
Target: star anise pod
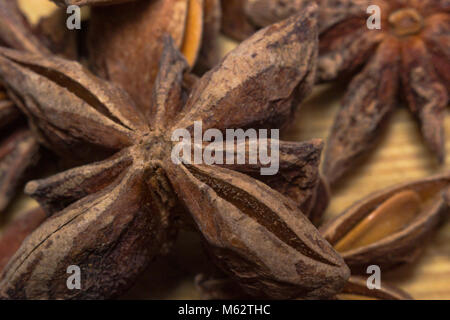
119, 213
303, 185
387, 229
408, 57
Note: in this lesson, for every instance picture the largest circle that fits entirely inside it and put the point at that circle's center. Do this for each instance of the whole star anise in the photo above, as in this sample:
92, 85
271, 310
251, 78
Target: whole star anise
408, 57
386, 229
119, 213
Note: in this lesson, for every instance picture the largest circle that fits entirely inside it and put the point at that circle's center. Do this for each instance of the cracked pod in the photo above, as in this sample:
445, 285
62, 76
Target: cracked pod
389, 227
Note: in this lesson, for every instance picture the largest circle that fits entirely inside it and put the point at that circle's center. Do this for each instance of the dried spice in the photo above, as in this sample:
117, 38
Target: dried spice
299, 179
18, 152
16, 231
389, 228
408, 57
125, 208
131, 34
19, 148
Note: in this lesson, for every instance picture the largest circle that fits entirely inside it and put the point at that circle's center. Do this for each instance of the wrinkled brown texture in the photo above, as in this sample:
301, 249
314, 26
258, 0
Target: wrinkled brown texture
18, 147
120, 223
241, 18
48, 90
403, 245
17, 153
412, 56
125, 207
226, 206
409, 57
125, 41
276, 79
16, 231
366, 107
299, 178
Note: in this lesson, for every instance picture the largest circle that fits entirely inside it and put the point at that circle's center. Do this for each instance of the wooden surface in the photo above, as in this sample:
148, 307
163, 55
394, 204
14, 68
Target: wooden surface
401, 156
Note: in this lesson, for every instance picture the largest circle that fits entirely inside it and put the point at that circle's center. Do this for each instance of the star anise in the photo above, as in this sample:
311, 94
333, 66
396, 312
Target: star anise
408, 57
119, 213
387, 229
19, 149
